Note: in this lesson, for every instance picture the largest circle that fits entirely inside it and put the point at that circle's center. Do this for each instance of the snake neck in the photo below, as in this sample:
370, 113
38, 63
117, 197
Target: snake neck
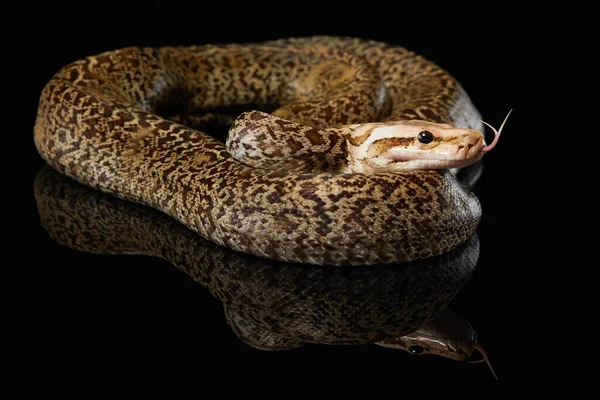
261, 140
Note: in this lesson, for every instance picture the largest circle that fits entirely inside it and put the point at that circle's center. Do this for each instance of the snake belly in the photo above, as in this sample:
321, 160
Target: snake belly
104, 121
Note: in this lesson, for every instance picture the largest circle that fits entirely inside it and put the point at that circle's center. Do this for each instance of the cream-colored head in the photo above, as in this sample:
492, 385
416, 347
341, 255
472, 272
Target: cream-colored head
401, 145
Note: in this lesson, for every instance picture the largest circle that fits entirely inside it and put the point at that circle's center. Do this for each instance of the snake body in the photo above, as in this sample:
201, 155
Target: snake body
110, 122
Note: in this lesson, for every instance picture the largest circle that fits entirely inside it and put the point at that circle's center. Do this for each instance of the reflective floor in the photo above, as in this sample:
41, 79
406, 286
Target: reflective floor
126, 270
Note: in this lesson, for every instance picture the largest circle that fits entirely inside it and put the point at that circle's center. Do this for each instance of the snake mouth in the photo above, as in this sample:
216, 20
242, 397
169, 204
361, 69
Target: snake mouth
442, 156
430, 163
385, 164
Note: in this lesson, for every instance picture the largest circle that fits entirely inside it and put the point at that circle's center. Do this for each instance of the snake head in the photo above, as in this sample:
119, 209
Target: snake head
414, 144
402, 145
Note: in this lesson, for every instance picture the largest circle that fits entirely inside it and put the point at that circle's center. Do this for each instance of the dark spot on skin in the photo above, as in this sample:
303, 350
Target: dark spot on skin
257, 115
358, 140
382, 145
314, 137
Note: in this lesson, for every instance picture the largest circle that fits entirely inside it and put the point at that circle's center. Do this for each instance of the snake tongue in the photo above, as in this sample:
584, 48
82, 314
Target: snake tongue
496, 134
485, 358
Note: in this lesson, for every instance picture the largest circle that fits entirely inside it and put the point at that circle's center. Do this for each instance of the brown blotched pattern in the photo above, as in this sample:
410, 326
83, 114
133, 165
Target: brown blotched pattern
269, 305
261, 140
99, 122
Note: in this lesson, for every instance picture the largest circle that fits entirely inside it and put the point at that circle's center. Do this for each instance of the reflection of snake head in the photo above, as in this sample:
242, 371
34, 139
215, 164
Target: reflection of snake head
401, 145
449, 335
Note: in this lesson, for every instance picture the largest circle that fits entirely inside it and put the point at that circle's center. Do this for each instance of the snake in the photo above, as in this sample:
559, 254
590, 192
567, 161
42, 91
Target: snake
275, 305
341, 156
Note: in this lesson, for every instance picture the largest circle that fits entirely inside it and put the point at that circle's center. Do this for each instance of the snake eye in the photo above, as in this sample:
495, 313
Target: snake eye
425, 137
414, 349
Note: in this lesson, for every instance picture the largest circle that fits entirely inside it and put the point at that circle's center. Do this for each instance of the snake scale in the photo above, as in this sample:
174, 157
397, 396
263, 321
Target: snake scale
110, 122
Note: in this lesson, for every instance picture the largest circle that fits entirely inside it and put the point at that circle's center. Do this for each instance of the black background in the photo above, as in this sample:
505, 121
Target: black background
110, 317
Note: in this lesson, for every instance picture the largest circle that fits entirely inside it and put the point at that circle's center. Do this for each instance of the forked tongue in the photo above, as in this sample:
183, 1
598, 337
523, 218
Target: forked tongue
496, 136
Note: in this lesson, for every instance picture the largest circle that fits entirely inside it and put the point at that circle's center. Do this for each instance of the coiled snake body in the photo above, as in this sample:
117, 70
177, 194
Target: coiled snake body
110, 121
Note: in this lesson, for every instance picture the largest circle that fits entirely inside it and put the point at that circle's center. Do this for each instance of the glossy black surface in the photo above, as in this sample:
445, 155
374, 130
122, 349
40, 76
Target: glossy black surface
134, 310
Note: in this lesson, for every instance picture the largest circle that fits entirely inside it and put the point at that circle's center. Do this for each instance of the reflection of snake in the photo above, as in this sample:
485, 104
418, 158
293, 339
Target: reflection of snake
269, 305
99, 123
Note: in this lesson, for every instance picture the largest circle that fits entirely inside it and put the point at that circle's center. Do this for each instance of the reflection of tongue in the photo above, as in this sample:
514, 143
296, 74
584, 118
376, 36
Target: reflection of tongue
485, 358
